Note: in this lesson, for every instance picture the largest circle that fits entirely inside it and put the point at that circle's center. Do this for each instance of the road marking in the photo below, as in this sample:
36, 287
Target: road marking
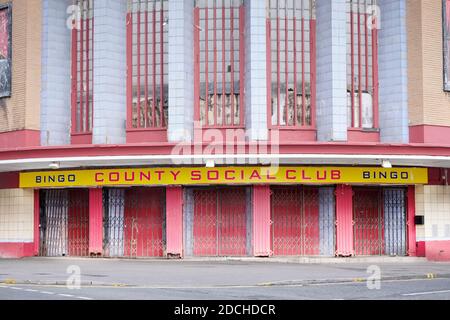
30, 290
15, 288
84, 298
65, 295
425, 293
46, 292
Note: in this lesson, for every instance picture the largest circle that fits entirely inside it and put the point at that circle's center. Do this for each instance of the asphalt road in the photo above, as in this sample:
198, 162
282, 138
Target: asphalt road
435, 289
106, 279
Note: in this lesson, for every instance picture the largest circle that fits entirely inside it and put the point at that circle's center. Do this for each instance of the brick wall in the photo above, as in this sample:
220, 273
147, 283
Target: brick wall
21, 111
428, 103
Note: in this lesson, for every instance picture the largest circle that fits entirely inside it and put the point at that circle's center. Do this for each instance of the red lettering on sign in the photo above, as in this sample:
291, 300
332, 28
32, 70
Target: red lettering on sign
304, 176
335, 174
324, 177
175, 174
98, 175
142, 175
215, 177
289, 176
227, 176
269, 177
196, 175
159, 173
114, 177
255, 175
127, 178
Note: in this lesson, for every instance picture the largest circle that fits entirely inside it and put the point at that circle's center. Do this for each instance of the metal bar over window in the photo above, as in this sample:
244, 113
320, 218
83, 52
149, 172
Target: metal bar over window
291, 62
362, 65
82, 67
147, 56
219, 54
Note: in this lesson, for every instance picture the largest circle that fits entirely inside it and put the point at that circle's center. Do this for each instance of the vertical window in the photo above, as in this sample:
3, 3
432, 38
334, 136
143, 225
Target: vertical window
147, 56
5, 50
362, 65
291, 29
82, 68
219, 62
446, 35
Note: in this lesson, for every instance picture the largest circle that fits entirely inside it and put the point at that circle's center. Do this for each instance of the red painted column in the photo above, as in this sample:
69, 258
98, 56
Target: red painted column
36, 223
344, 220
411, 198
261, 221
95, 222
174, 221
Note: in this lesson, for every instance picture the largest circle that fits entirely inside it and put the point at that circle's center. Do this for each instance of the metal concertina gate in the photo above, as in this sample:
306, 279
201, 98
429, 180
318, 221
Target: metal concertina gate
220, 222
379, 221
134, 222
64, 223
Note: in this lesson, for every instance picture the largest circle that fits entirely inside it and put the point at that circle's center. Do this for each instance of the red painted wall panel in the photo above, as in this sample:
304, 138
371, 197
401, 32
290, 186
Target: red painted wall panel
174, 221
344, 221
411, 207
16, 250
438, 250
20, 139
36, 223
9, 180
261, 221
95, 221
420, 249
429, 134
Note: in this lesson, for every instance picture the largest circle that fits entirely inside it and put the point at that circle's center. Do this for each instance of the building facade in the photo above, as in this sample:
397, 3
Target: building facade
180, 128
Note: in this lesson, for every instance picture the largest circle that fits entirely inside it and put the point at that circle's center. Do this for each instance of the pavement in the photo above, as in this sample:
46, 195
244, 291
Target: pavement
363, 278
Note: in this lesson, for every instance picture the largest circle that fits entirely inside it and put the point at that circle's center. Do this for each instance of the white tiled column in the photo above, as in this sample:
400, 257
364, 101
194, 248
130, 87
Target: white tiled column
331, 70
181, 70
393, 71
255, 70
109, 72
56, 66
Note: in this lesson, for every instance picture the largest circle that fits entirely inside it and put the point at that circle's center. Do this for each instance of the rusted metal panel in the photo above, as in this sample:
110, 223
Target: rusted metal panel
96, 221
344, 221
261, 221
174, 223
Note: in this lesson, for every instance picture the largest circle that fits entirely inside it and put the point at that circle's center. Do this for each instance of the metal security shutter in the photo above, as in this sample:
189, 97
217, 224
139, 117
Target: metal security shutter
395, 221
220, 222
64, 223
295, 216
368, 221
134, 222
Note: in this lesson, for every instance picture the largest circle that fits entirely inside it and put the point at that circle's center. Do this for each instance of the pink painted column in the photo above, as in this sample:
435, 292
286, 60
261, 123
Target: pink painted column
36, 235
261, 221
174, 221
95, 222
344, 221
411, 198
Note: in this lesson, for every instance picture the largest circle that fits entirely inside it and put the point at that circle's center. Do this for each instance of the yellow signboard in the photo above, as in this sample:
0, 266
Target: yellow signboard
223, 175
